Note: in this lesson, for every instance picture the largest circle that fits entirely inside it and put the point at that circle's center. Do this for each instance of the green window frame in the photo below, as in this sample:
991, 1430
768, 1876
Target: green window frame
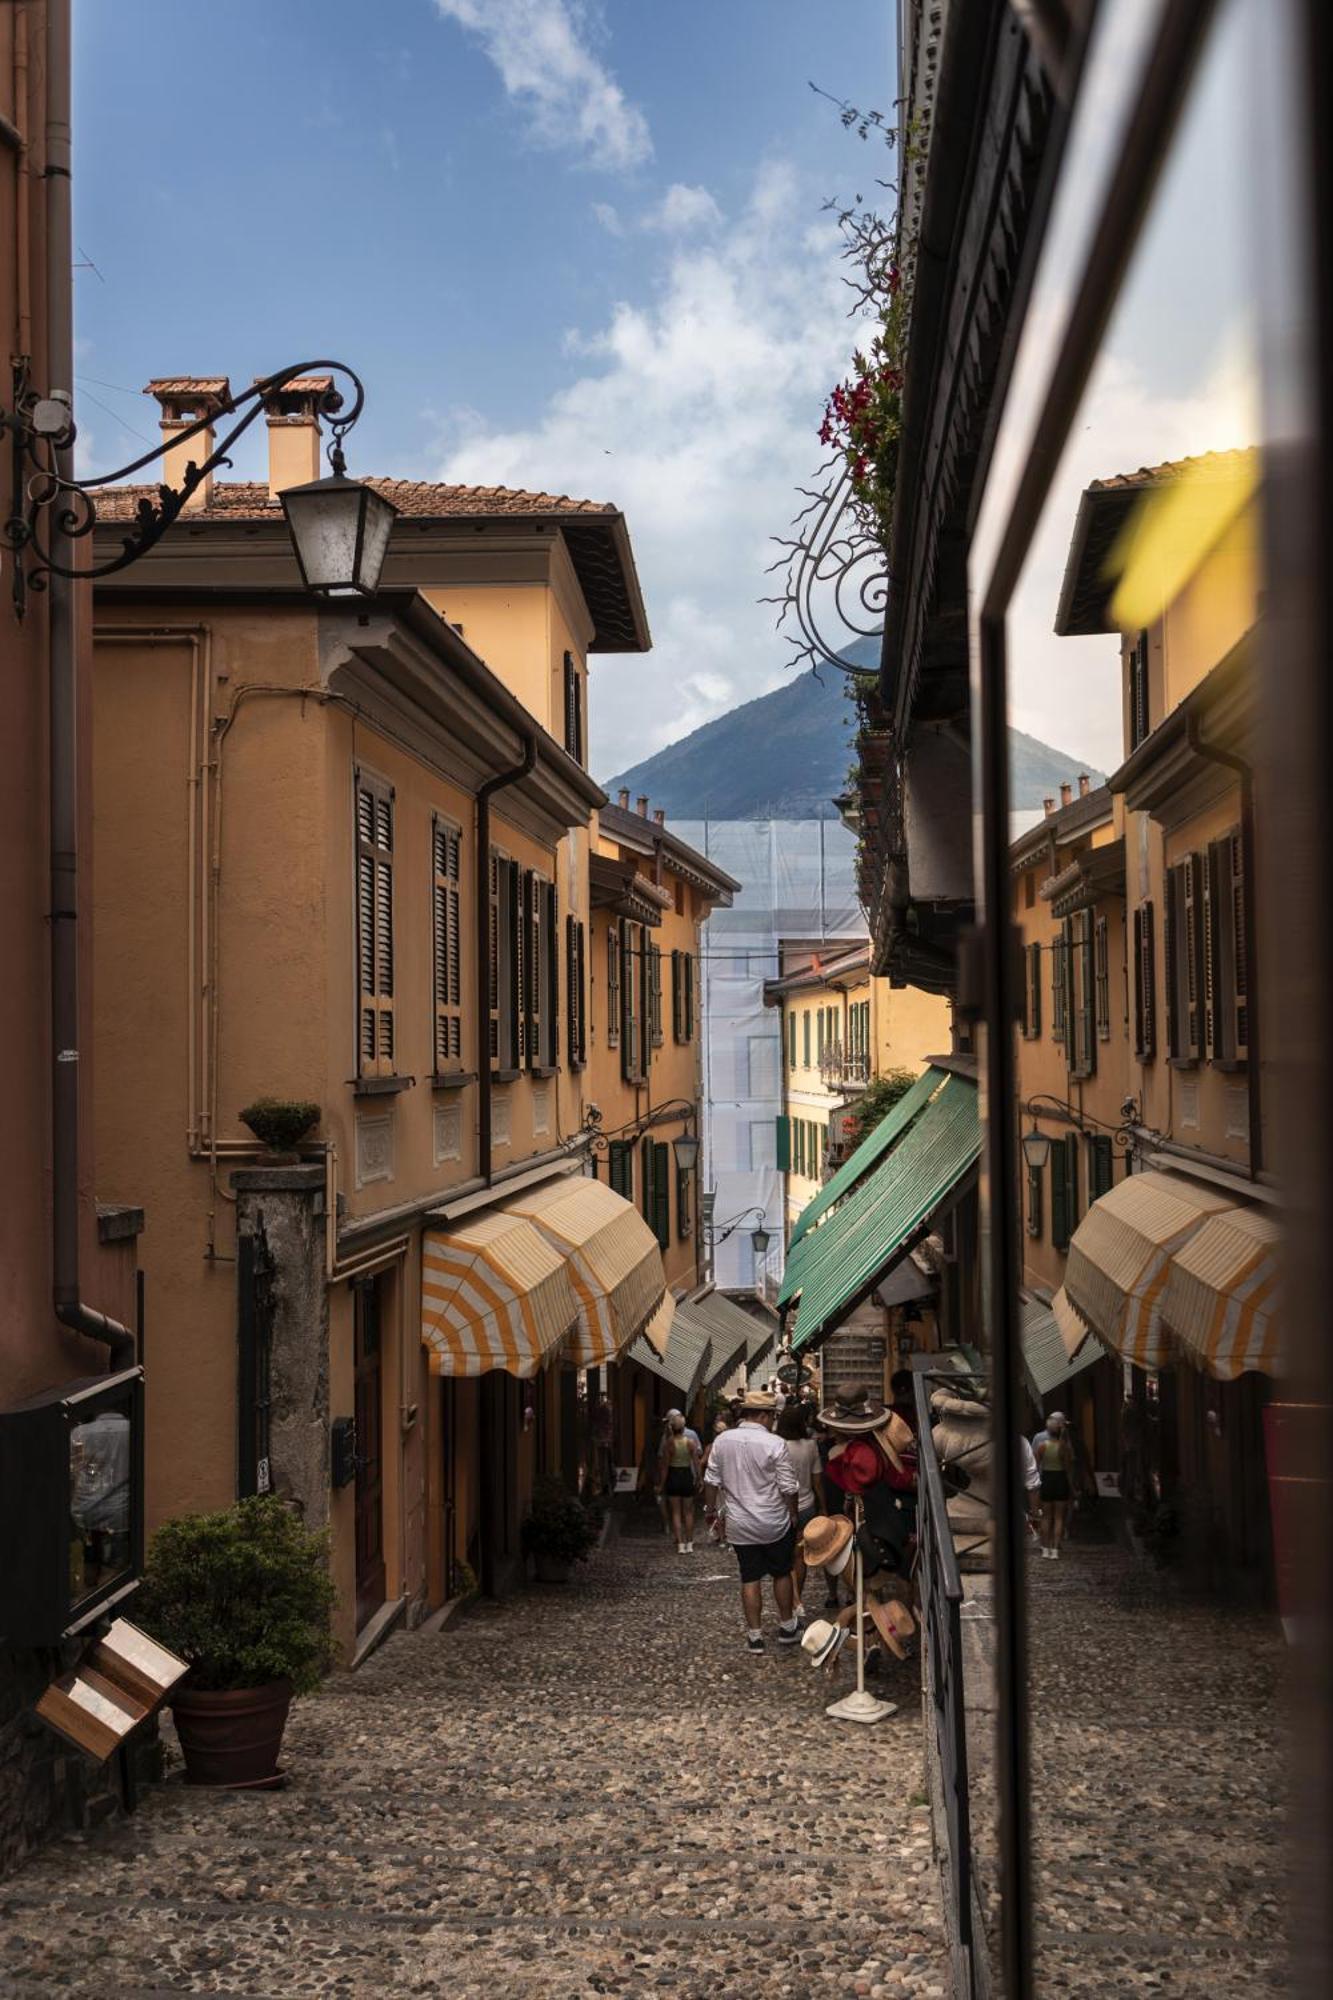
782, 1128
657, 1190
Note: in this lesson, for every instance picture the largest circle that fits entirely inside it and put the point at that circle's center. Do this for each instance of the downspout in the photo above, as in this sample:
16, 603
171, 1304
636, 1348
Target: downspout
481, 882
70, 1309
1231, 762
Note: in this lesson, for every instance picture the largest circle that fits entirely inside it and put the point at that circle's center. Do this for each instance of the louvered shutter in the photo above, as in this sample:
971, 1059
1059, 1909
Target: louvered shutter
689, 976
661, 1215
1058, 989
374, 922
655, 994
805, 1037
1171, 945
1239, 996
620, 1166
1138, 692
1059, 1196
791, 1038
630, 998
613, 987
1212, 943
1034, 989
1101, 967
575, 1003
677, 999
573, 709
782, 1127
1145, 975
1101, 1165
1084, 974
446, 982
1191, 946
550, 922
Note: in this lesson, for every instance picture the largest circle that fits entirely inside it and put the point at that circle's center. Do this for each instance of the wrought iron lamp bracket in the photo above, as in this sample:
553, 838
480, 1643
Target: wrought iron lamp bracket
834, 562
40, 439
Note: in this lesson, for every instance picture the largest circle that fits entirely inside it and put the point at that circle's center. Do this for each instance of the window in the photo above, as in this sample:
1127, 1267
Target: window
575, 990
613, 988
654, 1009
620, 1167
1064, 1191
1138, 691
782, 1144
1226, 1013
541, 1003
374, 926
1101, 1165
805, 1036
791, 1037
1034, 1201
506, 950
1145, 977
1183, 940
573, 708
446, 970
820, 1031
684, 1221
657, 1190
1080, 1039
1059, 988
632, 997
1032, 993
1101, 967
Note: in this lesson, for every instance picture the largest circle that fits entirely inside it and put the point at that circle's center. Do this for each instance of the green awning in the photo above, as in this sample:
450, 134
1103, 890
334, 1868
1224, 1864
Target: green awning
870, 1151
683, 1364
729, 1329
1045, 1356
881, 1219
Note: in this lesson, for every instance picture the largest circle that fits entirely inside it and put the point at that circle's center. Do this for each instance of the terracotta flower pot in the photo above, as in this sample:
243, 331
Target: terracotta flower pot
231, 1737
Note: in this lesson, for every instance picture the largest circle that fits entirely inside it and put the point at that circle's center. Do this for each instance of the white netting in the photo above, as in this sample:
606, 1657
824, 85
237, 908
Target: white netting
798, 881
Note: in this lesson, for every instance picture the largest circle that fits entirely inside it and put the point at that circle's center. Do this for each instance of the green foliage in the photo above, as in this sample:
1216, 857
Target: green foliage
878, 1099
558, 1526
281, 1122
244, 1595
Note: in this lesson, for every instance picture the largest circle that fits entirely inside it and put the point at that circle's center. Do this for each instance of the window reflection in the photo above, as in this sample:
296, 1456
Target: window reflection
99, 1501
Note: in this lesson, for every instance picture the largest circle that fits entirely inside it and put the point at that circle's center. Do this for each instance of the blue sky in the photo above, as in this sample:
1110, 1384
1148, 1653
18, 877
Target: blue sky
566, 244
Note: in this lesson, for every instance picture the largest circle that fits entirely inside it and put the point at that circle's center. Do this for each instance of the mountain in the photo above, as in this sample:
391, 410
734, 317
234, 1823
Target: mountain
786, 756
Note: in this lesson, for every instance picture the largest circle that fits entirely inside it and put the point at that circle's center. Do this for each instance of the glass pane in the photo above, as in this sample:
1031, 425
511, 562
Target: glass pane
100, 1500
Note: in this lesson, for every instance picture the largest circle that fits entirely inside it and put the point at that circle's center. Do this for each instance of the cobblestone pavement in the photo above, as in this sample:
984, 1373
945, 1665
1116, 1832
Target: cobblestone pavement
586, 1790
1158, 1829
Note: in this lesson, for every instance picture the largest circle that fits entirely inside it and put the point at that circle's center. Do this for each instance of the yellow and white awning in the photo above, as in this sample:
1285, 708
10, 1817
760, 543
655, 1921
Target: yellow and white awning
1120, 1259
494, 1294
658, 1330
1221, 1302
1074, 1329
615, 1265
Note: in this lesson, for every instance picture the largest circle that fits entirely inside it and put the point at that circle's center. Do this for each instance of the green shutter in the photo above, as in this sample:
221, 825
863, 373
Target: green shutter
791, 1036
1101, 1165
661, 1219
621, 1167
677, 1011
783, 1129
689, 995
805, 1035
1059, 1196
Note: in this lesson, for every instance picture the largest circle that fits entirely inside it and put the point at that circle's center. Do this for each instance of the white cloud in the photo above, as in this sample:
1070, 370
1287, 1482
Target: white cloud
609, 218
683, 209
545, 63
697, 413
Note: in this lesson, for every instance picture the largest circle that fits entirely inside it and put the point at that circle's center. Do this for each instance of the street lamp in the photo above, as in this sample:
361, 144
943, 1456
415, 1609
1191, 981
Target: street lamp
760, 1239
685, 1146
1036, 1149
686, 1150
339, 526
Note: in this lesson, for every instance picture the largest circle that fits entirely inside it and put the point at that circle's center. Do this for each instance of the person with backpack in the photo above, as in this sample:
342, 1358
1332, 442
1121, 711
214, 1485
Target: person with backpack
1055, 1468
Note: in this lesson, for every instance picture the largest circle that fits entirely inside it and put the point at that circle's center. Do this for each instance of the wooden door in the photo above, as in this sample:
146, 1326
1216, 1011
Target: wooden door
369, 1446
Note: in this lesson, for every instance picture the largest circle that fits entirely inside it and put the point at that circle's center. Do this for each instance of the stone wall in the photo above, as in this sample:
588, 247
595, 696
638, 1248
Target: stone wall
287, 1205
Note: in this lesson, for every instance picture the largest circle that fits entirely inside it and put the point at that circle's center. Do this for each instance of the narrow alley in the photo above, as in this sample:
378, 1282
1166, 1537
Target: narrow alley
589, 1789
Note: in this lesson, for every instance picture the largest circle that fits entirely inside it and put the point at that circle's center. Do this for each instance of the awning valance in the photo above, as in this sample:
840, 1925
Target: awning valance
1046, 1360
862, 1161
683, 1364
1221, 1302
658, 1330
1120, 1258
615, 1265
881, 1219
494, 1294
727, 1328
1074, 1329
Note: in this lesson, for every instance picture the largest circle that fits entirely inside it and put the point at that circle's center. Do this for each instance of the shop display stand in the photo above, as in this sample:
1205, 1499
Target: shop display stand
860, 1706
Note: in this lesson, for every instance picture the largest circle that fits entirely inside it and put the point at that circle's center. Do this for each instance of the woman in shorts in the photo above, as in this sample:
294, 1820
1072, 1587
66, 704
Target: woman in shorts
678, 1478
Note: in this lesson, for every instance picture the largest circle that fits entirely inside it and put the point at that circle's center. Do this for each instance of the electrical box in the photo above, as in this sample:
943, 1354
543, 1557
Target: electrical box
71, 1500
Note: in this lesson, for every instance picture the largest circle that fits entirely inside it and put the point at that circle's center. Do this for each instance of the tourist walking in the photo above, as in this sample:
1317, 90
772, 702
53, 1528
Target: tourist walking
755, 1487
1055, 1466
794, 1430
678, 1478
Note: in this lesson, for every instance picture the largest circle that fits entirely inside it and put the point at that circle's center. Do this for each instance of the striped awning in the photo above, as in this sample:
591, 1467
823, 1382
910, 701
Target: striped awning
727, 1329
1221, 1302
615, 1265
494, 1294
1046, 1361
1074, 1329
1120, 1259
683, 1363
658, 1330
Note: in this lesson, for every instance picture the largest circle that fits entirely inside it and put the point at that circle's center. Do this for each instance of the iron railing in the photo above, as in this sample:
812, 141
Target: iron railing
838, 1064
941, 1601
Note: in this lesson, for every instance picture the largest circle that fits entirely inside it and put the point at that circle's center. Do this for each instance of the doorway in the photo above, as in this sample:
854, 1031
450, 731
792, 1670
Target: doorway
368, 1322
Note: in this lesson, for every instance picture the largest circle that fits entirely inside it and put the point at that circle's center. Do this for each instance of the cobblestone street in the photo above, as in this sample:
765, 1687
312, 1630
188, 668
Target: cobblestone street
585, 1790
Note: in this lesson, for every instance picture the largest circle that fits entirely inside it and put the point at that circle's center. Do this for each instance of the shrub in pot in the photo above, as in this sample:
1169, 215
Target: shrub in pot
558, 1531
245, 1596
280, 1123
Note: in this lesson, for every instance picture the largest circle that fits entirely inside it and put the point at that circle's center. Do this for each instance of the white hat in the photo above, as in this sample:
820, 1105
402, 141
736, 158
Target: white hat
823, 1642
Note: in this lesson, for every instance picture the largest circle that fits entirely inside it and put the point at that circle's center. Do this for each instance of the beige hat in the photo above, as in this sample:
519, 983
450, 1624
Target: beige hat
826, 1539
894, 1623
895, 1439
823, 1642
760, 1401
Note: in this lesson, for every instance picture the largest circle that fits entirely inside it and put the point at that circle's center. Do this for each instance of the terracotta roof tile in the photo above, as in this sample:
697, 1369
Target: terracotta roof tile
424, 498
188, 385
1219, 462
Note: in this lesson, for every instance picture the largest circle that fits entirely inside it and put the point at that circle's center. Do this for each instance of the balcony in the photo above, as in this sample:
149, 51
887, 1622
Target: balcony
843, 1069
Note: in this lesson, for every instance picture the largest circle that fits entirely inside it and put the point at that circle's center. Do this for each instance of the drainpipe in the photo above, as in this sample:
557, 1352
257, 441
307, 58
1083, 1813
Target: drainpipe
481, 874
70, 1309
1245, 773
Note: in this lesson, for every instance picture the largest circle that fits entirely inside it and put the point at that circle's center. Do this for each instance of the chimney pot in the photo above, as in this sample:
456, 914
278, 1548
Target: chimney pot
183, 399
622, 797
1048, 807
1066, 794
660, 816
1084, 784
641, 805
293, 429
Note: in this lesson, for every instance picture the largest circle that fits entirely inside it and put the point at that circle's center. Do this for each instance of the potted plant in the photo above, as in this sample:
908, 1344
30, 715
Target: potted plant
558, 1531
280, 1123
245, 1596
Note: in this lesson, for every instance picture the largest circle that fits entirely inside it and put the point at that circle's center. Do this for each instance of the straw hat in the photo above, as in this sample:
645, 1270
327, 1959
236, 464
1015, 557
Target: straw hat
826, 1542
895, 1439
894, 1623
759, 1401
853, 1416
823, 1642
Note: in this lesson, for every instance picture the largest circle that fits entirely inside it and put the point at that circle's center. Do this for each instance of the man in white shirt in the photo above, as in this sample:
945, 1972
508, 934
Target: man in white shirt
754, 1486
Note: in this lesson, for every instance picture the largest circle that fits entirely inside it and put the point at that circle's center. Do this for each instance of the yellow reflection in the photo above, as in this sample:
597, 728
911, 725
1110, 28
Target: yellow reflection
1174, 529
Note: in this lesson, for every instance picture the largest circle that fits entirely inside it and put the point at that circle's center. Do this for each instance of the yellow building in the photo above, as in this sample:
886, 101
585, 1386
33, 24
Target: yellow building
342, 858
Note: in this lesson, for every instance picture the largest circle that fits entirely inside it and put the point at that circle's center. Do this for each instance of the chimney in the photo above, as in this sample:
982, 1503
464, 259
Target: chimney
183, 399
641, 805
1048, 807
1084, 784
659, 816
1066, 795
293, 430
622, 798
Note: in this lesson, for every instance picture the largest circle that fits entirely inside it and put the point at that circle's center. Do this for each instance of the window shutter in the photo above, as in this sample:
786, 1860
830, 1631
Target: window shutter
677, 1000
1211, 945
1191, 945
613, 987
620, 1166
1171, 941
573, 709
782, 1126
575, 1001
661, 1216
446, 850
1239, 997
805, 1036
1138, 692
1102, 977
374, 920
530, 962
689, 974
551, 980
631, 1017
655, 993
1058, 995
1101, 1165
1059, 1196
1034, 988
1084, 979
1145, 973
